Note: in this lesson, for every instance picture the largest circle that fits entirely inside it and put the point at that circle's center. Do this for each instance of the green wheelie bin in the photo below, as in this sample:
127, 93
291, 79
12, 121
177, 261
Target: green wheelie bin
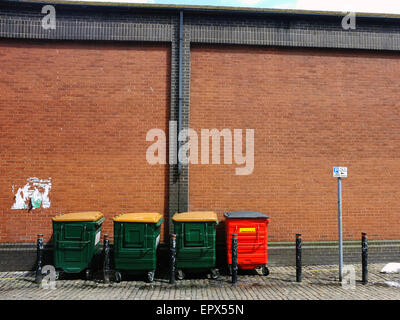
76, 238
195, 242
136, 238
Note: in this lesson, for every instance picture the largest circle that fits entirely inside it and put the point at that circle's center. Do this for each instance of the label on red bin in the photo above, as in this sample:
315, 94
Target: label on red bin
247, 229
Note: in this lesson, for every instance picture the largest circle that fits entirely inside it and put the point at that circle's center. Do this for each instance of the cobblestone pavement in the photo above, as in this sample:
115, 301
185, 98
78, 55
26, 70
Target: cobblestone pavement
319, 283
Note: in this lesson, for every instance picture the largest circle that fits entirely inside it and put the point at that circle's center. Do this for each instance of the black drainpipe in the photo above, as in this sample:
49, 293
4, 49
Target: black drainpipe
180, 86
180, 99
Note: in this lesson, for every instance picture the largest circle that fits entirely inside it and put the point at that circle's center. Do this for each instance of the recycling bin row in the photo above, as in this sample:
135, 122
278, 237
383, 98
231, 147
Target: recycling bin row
77, 237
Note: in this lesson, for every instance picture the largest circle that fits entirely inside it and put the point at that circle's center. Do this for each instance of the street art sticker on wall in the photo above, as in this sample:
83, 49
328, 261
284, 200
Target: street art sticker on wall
33, 195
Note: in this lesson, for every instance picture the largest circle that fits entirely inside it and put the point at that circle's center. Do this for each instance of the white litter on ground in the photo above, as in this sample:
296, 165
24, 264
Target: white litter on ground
391, 268
392, 284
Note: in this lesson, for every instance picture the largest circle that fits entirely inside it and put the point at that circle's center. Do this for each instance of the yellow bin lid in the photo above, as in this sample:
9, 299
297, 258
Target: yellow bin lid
79, 216
195, 216
145, 217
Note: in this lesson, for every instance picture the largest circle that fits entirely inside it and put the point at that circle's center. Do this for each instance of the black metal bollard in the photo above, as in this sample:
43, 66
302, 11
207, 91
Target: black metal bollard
234, 259
173, 259
298, 257
39, 263
106, 248
364, 257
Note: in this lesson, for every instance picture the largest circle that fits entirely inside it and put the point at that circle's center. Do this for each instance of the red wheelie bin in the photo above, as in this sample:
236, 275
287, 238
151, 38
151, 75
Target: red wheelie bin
251, 228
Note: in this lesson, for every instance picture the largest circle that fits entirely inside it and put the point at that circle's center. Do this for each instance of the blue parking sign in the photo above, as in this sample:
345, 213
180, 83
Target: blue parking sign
340, 172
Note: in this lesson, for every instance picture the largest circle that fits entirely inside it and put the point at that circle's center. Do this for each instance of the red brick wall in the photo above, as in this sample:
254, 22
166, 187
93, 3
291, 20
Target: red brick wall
311, 110
78, 112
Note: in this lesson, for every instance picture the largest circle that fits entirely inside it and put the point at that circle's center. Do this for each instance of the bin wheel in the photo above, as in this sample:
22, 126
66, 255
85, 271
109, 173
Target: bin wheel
88, 274
180, 275
214, 274
150, 276
118, 276
59, 274
265, 271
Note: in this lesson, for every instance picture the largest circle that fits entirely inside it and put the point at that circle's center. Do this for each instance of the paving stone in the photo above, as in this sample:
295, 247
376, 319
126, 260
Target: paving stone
319, 283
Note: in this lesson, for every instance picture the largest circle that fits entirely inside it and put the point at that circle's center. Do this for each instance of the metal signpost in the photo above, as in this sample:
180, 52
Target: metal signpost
339, 173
